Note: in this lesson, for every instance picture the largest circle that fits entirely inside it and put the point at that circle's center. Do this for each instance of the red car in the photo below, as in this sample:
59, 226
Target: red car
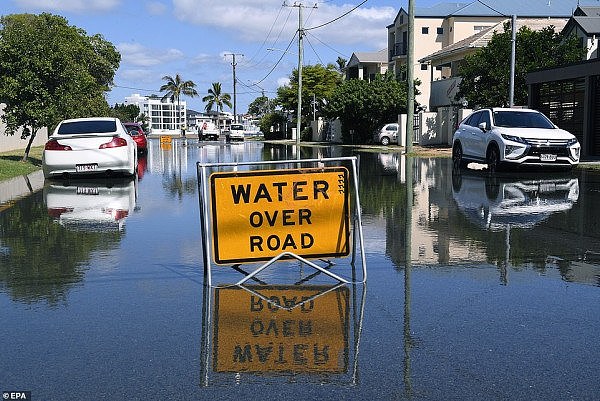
138, 135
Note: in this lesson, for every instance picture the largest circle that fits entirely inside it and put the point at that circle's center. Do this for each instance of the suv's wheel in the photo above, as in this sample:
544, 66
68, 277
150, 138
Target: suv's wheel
385, 141
457, 156
493, 158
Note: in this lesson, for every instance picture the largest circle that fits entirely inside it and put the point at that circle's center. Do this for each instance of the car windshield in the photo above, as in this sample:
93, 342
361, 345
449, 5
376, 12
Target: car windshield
237, 127
521, 119
87, 127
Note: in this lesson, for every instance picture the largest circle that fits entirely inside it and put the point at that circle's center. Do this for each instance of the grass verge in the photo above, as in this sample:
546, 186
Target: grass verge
12, 166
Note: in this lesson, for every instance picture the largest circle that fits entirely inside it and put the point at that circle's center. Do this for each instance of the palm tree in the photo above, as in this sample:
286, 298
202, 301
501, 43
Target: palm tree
174, 88
216, 98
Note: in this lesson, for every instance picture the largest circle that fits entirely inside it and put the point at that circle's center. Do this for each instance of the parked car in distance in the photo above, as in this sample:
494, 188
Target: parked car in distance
139, 136
503, 137
387, 134
84, 146
236, 132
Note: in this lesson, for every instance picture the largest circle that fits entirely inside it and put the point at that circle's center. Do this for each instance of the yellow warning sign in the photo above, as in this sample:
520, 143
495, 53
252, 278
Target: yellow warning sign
253, 334
165, 139
257, 215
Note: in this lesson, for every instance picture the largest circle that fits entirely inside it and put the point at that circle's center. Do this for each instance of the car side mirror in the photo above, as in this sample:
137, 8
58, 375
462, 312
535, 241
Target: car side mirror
483, 126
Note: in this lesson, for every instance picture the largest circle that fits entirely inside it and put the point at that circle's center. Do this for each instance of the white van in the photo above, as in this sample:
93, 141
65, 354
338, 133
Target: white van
236, 132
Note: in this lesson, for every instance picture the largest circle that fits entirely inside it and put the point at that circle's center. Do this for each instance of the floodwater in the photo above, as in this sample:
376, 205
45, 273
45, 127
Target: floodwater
478, 287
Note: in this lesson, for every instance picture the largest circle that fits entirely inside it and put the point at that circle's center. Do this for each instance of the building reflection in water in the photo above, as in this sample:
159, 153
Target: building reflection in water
297, 332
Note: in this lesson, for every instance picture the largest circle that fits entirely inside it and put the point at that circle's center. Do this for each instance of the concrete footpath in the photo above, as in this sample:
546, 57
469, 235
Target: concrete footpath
20, 187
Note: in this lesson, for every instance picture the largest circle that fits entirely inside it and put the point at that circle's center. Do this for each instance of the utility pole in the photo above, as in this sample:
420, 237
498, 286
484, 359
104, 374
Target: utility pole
410, 79
511, 92
233, 64
300, 62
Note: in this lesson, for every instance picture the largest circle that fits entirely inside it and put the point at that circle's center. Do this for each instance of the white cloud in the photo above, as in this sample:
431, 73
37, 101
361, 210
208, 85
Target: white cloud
251, 20
69, 5
142, 76
156, 8
283, 81
138, 55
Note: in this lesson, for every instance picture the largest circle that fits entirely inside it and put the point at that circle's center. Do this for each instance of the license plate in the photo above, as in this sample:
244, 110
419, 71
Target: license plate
82, 168
547, 157
87, 191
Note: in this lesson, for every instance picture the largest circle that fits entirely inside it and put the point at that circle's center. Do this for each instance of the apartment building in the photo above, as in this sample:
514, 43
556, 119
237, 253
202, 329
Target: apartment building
438, 27
164, 116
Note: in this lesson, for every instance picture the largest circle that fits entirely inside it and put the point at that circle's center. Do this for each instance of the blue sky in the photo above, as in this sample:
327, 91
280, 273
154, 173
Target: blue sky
191, 37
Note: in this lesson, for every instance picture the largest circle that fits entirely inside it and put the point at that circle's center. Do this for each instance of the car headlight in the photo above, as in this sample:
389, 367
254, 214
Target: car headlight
514, 138
572, 141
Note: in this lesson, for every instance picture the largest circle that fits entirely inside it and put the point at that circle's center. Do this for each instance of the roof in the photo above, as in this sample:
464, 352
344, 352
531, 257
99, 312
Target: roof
495, 8
590, 25
588, 11
482, 38
369, 57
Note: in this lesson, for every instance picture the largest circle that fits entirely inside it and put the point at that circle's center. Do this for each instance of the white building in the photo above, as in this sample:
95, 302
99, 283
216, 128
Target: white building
164, 116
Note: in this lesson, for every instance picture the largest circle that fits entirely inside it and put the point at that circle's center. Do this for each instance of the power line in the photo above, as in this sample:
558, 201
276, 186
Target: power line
337, 18
275, 40
268, 34
278, 61
326, 45
314, 51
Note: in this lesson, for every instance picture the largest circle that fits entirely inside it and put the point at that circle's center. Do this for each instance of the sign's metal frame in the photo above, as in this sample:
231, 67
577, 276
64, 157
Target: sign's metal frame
204, 199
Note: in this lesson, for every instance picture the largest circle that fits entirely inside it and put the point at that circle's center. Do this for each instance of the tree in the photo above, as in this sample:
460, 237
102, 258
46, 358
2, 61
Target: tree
123, 112
50, 71
175, 88
364, 106
274, 121
341, 62
318, 82
216, 98
261, 106
485, 80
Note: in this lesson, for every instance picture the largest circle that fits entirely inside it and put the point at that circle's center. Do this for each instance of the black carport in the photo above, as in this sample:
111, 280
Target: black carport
570, 96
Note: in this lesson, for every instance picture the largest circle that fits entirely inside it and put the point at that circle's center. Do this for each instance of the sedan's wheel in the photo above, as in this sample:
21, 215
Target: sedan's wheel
493, 159
385, 141
457, 156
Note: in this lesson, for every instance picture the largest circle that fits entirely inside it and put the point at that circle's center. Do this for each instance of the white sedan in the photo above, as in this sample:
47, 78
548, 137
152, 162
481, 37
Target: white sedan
85, 146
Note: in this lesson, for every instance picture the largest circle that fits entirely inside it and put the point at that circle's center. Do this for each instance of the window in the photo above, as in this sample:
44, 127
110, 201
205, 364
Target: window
425, 30
473, 121
485, 118
440, 31
423, 67
87, 127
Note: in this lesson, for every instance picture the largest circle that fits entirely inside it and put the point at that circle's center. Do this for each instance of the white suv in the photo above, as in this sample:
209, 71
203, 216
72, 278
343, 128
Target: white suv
502, 137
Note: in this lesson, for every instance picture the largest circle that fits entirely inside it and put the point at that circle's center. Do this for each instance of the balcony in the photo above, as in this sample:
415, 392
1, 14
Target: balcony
398, 50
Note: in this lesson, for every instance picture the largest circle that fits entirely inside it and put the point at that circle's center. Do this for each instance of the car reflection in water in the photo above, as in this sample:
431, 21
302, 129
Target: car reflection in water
91, 205
496, 202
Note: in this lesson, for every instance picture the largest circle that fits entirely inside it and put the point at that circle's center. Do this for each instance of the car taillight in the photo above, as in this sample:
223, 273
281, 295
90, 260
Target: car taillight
115, 143
117, 214
54, 145
57, 211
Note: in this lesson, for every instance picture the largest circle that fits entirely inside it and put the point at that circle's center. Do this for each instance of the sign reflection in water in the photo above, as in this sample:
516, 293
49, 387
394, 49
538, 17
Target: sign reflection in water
282, 329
